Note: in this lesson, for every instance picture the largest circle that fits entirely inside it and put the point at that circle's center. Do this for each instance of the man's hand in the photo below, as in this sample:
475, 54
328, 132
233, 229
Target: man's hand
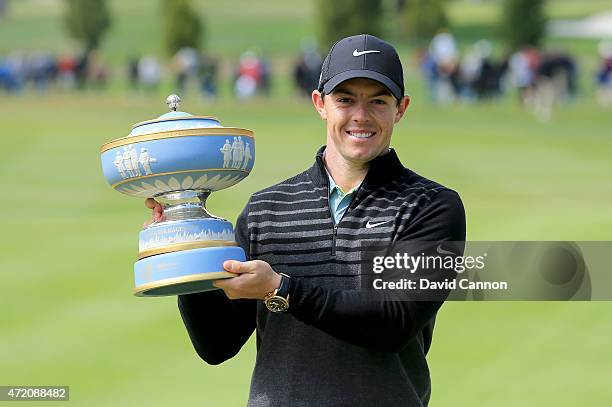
254, 279
158, 211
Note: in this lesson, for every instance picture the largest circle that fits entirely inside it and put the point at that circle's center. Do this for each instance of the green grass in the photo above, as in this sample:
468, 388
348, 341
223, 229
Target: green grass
69, 241
230, 27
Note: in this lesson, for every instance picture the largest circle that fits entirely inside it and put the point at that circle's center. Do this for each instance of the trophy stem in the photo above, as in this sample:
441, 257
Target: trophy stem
185, 205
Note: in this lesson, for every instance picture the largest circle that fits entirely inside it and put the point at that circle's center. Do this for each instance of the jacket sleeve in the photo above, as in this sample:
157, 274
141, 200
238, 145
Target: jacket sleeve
374, 319
218, 327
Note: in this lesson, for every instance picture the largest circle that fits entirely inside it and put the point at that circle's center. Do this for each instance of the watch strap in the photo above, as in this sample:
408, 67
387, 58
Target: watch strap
283, 288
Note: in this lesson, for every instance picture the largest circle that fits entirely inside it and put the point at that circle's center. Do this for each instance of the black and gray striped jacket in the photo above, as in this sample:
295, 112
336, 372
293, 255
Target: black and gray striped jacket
332, 348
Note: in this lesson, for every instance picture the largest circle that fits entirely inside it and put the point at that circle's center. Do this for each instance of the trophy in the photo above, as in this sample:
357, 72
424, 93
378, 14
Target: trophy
179, 159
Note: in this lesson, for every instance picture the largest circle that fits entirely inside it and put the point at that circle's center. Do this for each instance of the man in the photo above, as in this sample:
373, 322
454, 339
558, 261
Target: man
319, 342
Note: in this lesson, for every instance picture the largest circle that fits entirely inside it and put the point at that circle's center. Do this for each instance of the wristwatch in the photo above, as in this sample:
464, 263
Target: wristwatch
278, 300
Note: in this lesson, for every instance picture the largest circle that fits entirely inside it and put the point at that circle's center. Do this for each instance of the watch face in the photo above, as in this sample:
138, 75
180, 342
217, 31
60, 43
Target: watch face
277, 304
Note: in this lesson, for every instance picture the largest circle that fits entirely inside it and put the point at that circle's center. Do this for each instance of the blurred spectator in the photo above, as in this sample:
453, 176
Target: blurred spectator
208, 76
523, 65
604, 74
470, 69
555, 81
149, 73
9, 79
445, 55
66, 67
80, 70
17, 67
429, 70
132, 72
248, 75
560, 67
97, 71
265, 82
489, 82
185, 65
475, 76
43, 70
307, 68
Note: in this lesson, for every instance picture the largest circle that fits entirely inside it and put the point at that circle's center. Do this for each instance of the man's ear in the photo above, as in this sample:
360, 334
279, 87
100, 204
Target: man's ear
317, 101
401, 108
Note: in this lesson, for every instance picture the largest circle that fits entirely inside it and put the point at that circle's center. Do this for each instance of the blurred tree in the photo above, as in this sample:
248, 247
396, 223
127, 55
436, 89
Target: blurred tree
342, 18
182, 27
423, 18
524, 22
86, 21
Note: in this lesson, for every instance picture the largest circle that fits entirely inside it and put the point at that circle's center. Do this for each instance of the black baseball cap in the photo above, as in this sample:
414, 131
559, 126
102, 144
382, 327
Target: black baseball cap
362, 56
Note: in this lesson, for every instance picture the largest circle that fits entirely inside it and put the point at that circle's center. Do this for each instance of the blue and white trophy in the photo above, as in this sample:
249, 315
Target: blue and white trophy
179, 159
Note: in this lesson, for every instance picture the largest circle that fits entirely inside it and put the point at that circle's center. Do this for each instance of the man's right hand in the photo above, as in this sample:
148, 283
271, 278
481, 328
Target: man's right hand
158, 211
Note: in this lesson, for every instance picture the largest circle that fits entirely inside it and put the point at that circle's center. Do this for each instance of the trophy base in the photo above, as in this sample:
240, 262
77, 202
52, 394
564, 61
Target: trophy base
183, 272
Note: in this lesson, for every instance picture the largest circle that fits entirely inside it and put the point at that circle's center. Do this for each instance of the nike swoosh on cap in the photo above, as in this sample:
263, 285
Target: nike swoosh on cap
360, 53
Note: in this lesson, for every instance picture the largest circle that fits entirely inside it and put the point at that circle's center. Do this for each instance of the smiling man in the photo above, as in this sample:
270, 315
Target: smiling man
320, 342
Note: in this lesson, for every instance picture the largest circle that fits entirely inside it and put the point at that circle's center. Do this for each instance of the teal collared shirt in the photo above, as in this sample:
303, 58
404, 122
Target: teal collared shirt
339, 200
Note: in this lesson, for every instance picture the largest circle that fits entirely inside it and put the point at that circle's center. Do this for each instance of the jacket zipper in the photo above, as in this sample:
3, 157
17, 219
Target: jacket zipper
334, 233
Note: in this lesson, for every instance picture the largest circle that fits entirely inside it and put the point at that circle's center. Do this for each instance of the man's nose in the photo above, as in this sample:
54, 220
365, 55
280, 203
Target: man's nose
361, 113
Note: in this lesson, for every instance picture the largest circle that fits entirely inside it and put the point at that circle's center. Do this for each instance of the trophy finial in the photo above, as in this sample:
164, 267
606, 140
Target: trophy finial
173, 101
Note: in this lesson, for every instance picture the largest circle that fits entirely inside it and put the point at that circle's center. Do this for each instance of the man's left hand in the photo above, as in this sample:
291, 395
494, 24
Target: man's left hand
254, 279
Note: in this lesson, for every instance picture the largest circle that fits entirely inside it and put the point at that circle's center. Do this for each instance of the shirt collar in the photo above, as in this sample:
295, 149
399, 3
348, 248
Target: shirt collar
333, 187
382, 169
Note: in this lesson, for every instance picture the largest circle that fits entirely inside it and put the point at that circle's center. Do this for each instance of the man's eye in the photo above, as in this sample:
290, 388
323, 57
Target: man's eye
344, 100
379, 102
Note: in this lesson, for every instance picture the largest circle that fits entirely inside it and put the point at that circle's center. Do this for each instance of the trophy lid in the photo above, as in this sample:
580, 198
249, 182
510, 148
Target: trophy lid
174, 120
175, 124
178, 151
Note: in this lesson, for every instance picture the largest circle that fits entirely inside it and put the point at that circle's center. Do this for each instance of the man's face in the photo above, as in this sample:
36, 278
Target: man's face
360, 115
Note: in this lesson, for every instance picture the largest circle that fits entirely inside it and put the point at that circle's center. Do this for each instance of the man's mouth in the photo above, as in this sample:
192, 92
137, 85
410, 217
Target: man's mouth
361, 134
